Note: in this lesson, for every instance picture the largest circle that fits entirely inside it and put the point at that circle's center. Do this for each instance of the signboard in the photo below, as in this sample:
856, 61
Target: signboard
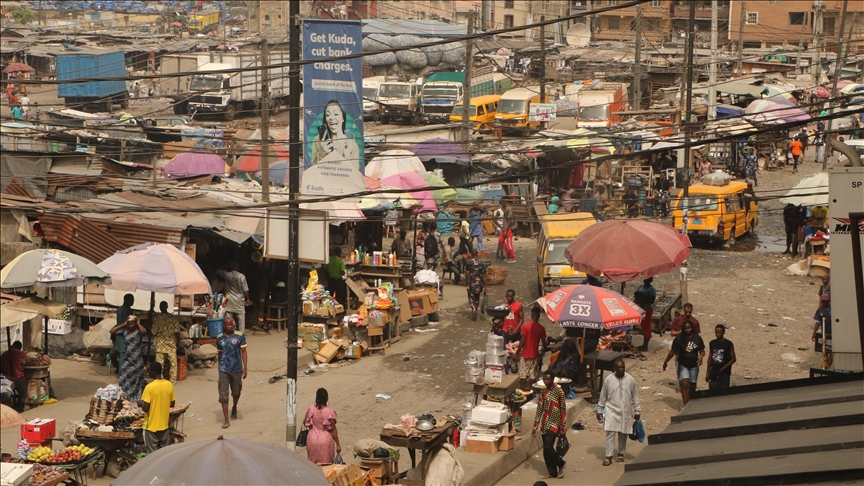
332, 93
314, 235
541, 112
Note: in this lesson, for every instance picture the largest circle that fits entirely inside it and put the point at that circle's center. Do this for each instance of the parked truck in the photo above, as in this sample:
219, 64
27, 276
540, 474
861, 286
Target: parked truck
173, 64
399, 100
92, 63
198, 21
233, 92
600, 104
442, 91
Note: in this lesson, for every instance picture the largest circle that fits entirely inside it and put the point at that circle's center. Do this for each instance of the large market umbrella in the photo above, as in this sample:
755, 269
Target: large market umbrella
155, 267
10, 418
758, 106
337, 211
589, 307
51, 268
251, 160
851, 88
189, 164
468, 196
278, 173
17, 67
441, 151
625, 249
441, 195
234, 460
787, 113
779, 95
812, 190
413, 180
22, 310
393, 162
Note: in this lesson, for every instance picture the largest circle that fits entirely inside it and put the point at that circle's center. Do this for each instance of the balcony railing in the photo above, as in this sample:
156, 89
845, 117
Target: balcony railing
702, 12
647, 11
630, 35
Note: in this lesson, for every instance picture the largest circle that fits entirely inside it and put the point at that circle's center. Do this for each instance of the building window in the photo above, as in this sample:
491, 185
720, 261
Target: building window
614, 23
508, 21
266, 17
797, 18
613, 2
752, 18
656, 3
828, 25
508, 3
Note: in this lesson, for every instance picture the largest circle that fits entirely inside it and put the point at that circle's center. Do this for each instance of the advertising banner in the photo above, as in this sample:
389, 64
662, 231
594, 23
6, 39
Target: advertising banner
332, 95
541, 112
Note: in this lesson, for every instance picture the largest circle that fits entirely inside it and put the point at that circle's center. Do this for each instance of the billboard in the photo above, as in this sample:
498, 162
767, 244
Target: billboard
332, 93
541, 112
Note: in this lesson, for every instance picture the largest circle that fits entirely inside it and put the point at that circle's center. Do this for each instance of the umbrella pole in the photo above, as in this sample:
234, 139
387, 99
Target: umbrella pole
45, 333
582, 354
150, 316
9, 348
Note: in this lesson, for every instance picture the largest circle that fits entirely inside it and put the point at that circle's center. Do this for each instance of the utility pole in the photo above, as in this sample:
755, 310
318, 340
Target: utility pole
691, 38
485, 14
741, 37
293, 282
817, 42
712, 69
542, 66
466, 87
265, 121
838, 71
637, 63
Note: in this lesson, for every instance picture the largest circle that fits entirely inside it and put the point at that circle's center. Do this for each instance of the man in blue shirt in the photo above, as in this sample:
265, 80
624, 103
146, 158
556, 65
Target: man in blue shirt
17, 113
823, 317
645, 297
231, 355
476, 225
445, 221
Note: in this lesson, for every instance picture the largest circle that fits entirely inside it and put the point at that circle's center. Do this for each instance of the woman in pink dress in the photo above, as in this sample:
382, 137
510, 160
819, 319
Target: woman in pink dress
322, 443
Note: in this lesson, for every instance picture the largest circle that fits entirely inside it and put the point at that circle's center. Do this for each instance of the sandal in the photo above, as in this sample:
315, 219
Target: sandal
607, 461
620, 458
225, 425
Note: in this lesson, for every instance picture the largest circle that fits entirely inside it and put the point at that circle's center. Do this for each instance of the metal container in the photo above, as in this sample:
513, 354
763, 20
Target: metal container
497, 359
90, 64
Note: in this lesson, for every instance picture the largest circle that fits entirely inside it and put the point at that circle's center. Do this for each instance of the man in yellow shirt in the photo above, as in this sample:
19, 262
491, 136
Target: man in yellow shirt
156, 401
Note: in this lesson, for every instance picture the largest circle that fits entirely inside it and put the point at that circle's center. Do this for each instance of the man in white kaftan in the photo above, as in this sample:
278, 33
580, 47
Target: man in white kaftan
619, 402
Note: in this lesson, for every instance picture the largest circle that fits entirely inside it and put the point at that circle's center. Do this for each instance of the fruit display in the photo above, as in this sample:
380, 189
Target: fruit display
46, 474
39, 454
69, 454
41, 360
66, 315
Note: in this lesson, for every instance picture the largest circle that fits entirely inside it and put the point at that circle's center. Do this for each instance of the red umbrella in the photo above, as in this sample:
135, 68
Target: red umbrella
624, 249
251, 161
17, 67
822, 92
589, 307
176, 24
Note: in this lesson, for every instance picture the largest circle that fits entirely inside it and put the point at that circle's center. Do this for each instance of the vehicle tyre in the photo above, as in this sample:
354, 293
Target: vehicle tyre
732, 239
124, 101
117, 464
230, 112
415, 118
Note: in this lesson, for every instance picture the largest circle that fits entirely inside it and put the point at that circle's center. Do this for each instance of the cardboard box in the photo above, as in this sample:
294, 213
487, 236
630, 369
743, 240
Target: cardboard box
481, 446
494, 374
58, 326
379, 468
312, 335
327, 352
38, 430
423, 301
508, 442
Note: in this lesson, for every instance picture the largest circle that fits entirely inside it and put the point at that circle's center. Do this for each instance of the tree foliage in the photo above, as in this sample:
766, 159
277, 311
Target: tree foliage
22, 15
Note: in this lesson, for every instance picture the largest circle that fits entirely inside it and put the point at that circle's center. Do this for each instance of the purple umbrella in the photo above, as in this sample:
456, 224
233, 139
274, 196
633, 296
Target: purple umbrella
442, 151
787, 113
190, 164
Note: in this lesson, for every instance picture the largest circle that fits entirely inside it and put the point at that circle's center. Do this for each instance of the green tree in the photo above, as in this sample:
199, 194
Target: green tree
22, 15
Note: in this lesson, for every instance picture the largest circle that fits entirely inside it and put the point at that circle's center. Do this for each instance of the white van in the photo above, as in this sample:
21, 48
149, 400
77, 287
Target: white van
371, 87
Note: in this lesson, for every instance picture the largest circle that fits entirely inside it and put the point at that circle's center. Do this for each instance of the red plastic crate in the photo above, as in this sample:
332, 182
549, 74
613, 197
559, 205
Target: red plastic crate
38, 430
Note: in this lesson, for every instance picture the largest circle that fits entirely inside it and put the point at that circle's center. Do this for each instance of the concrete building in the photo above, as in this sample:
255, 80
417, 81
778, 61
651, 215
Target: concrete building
775, 23
270, 17
619, 24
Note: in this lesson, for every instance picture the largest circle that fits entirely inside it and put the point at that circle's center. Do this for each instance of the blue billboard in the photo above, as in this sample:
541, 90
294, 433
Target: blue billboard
332, 93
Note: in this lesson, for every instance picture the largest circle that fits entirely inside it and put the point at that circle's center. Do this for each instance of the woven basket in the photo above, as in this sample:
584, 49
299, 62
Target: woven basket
496, 275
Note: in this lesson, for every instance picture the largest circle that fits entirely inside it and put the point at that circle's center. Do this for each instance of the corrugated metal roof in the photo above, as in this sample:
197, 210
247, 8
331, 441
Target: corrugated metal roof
16, 188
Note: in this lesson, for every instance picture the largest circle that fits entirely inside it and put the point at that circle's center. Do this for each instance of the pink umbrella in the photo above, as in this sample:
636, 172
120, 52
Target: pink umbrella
17, 67
157, 268
413, 180
625, 249
190, 164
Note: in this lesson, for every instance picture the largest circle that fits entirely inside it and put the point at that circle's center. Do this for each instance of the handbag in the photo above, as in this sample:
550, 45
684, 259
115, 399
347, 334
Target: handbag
638, 431
301, 437
635, 434
338, 459
562, 445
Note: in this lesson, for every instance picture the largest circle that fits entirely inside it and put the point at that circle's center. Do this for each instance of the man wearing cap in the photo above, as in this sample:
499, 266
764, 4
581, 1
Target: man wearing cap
721, 360
823, 316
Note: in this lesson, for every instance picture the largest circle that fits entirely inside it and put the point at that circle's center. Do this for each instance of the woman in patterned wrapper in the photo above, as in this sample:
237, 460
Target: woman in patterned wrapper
332, 137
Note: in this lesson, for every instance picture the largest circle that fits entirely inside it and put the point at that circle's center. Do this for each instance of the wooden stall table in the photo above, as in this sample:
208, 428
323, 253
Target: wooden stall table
425, 441
599, 361
506, 388
663, 316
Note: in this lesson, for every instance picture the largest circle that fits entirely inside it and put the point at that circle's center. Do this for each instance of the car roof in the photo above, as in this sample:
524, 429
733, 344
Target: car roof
731, 188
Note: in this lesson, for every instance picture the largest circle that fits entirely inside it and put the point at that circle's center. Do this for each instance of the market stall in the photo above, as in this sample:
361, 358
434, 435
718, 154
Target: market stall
415, 434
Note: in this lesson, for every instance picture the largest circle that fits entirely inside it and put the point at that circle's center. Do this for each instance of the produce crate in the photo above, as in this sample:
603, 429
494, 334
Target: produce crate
38, 430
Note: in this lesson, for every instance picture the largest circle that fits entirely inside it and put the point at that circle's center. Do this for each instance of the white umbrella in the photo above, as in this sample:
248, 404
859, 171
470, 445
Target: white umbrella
393, 162
812, 190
